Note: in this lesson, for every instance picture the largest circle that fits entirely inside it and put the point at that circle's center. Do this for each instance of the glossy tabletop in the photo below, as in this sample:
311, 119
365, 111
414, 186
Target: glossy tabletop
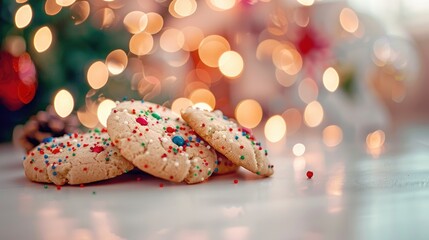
353, 195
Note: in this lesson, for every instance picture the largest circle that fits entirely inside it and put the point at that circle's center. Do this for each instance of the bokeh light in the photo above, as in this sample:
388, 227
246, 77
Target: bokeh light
287, 58
308, 90
155, 23
42, 39
293, 119
182, 8
136, 21
87, 118
80, 12
52, 8
172, 40
349, 20
211, 48
103, 18
141, 43
203, 106
221, 5
332, 135
203, 96
275, 128
181, 104
298, 149
23, 16
97, 75
248, 113
193, 37
15, 45
285, 79
306, 2
265, 49
313, 114
375, 140
65, 3
104, 109
63, 103
116, 61
231, 64
331, 80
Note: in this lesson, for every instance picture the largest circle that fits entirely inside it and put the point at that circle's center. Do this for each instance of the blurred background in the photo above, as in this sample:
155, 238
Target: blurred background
335, 69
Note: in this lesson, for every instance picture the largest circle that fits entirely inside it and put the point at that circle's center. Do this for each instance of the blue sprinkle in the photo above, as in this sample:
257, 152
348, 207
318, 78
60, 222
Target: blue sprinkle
53, 167
47, 140
188, 144
54, 173
124, 98
190, 138
225, 117
178, 140
78, 145
46, 161
45, 156
216, 170
243, 133
38, 149
142, 101
59, 160
198, 139
236, 137
24, 158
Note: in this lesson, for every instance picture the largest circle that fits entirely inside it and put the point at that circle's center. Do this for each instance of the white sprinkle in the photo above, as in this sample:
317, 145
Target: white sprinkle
230, 140
208, 147
150, 140
182, 154
164, 159
186, 155
117, 102
176, 164
181, 147
164, 139
125, 122
210, 128
224, 136
125, 110
74, 140
202, 179
116, 117
147, 152
188, 162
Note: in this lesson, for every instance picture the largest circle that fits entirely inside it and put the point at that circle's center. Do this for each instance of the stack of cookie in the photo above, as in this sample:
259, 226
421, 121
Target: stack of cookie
187, 148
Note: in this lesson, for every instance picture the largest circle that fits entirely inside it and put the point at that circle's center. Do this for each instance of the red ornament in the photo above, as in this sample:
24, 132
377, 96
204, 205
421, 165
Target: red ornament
309, 174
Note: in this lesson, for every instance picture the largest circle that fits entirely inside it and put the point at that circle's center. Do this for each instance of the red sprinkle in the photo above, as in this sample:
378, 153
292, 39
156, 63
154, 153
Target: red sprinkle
309, 174
170, 130
142, 121
161, 185
235, 181
58, 187
97, 149
81, 186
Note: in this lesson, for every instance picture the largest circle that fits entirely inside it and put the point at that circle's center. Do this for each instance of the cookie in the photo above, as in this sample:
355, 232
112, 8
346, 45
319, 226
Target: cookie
235, 142
224, 166
75, 159
157, 141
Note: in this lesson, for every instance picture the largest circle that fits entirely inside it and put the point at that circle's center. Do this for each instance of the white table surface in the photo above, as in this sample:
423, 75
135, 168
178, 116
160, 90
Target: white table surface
351, 196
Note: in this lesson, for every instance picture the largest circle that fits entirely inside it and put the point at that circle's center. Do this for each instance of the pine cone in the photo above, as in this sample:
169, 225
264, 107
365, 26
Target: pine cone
46, 124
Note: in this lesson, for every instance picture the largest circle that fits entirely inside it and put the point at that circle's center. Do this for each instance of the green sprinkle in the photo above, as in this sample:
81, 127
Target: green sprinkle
126, 171
74, 154
156, 116
197, 167
97, 130
107, 159
211, 119
242, 157
258, 173
195, 174
143, 144
209, 173
45, 186
175, 150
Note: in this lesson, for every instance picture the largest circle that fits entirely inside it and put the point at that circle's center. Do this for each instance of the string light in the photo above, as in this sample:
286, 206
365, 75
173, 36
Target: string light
63, 103
23, 16
42, 39
275, 128
248, 113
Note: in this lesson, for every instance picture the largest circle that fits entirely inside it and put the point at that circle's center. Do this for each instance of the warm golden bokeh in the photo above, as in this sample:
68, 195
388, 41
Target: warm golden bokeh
193, 37
141, 44
284, 79
97, 75
332, 135
265, 49
181, 104
248, 113
52, 8
313, 114
104, 109
104, 18
203, 96
231, 64
80, 12
23, 16
211, 48
63, 103
293, 119
298, 149
287, 58
275, 128
136, 21
87, 118
116, 61
182, 8
349, 20
375, 140
155, 23
221, 5
172, 40
306, 2
42, 39
308, 90
65, 3
331, 80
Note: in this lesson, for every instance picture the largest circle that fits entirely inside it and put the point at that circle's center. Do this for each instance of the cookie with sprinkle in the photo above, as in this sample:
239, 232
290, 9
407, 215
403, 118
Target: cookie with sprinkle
76, 158
157, 141
236, 143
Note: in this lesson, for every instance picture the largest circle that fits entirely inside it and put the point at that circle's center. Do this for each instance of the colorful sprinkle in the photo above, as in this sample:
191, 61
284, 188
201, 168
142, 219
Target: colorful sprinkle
142, 121
155, 115
235, 181
178, 140
309, 174
97, 149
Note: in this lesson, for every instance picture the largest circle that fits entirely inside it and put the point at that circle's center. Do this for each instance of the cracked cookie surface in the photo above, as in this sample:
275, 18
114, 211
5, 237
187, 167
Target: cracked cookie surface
157, 141
75, 159
234, 142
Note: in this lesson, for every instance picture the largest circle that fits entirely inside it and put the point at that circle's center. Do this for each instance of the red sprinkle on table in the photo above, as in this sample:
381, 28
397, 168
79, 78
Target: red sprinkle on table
161, 185
309, 174
58, 187
235, 181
